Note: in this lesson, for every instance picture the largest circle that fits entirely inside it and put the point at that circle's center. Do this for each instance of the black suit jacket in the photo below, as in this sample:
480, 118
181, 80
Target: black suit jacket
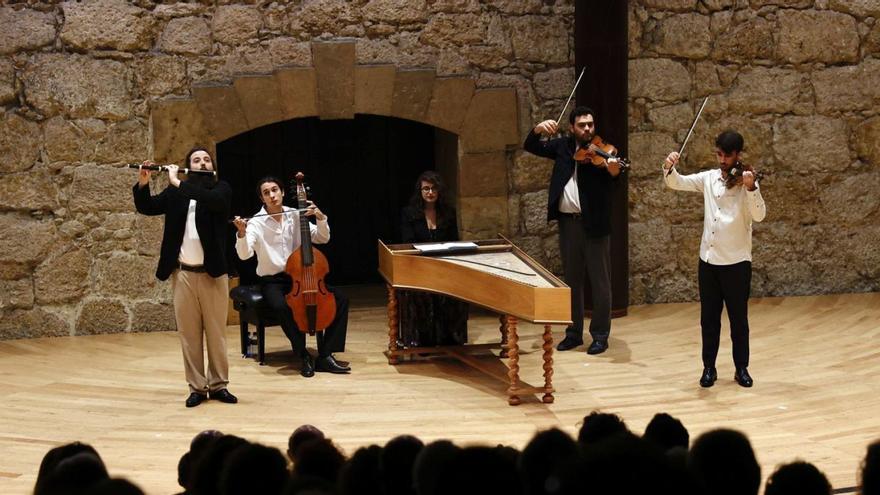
594, 183
212, 213
414, 227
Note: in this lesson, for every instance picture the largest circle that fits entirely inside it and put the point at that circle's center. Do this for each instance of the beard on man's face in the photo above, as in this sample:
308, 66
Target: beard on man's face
585, 138
202, 180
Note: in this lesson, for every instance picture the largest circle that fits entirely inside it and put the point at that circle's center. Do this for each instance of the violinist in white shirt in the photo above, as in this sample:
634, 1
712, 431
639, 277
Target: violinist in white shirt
732, 200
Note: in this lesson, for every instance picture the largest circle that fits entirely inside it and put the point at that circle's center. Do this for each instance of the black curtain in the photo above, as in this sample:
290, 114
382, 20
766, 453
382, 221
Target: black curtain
601, 46
359, 172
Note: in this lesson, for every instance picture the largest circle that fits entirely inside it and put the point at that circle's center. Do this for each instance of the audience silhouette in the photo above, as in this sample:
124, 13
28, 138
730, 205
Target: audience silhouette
871, 470
605, 459
797, 478
722, 462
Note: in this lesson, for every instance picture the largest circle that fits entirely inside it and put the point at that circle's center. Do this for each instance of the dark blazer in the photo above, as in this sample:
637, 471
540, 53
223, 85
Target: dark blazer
594, 183
212, 214
414, 227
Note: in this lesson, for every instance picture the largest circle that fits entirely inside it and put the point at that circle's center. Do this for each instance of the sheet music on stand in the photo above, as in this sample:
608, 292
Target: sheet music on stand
445, 247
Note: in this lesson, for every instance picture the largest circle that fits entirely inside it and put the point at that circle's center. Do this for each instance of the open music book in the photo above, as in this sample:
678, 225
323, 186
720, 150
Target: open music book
444, 247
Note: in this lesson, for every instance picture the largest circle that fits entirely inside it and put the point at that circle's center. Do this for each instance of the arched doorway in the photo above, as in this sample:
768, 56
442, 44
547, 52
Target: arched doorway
360, 172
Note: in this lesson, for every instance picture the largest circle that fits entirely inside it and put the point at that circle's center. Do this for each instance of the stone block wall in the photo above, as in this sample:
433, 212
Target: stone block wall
86, 86
800, 79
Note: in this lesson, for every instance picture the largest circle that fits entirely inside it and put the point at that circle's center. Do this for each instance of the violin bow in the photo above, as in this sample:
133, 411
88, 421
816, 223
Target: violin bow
285, 212
561, 115
690, 131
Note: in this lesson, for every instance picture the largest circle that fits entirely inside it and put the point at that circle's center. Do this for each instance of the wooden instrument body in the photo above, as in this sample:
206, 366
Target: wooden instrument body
312, 304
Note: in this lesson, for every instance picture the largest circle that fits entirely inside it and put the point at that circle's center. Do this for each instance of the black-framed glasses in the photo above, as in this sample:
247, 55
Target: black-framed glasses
427, 189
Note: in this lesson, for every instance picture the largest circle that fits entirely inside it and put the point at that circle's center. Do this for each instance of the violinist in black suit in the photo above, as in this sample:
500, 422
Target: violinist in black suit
428, 319
580, 199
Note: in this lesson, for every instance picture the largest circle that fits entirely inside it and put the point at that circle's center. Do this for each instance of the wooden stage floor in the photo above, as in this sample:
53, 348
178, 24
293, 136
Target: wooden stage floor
815, 361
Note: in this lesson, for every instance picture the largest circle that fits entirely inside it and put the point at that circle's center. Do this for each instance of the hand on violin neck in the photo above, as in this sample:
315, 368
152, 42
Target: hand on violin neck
313, 211
547, 127
612, 165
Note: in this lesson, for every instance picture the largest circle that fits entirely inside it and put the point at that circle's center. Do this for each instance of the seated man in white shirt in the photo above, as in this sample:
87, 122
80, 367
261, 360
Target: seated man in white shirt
732, 202
273, 235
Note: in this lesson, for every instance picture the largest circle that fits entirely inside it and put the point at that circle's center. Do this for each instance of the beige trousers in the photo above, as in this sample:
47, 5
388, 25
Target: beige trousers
200, 305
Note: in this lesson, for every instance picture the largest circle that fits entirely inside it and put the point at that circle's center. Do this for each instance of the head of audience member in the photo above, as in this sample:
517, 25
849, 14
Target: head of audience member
430, 464
74, 475
797, 478
300, 436
541, 459
396, 464
319, 458
205, 477
197, 447
480, 470
430, 191
184, 467
623, 464
723, 463
202, 439
115, 486
309, 485
666, 432
871, 470
597, 426
254, 468
57, 454
360, 475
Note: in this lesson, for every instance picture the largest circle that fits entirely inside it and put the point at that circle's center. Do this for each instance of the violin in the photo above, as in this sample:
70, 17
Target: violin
735, 174
597, 152
312, 304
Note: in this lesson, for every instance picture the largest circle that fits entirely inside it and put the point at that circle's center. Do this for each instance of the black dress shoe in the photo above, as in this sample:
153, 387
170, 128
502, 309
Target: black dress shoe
308, 366
569, 342
223, 395
708, 378
195, 399
331, 365
742, 377
598, 347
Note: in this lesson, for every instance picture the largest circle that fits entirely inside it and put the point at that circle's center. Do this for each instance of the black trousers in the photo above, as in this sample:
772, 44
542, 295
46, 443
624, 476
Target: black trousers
722, 285
585, 257
332, 339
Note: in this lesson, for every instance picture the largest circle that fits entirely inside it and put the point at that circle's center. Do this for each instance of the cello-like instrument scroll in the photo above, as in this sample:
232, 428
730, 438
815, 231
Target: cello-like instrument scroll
312, 304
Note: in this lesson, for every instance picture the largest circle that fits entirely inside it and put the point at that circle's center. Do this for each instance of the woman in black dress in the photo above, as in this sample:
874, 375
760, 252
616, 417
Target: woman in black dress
427, 319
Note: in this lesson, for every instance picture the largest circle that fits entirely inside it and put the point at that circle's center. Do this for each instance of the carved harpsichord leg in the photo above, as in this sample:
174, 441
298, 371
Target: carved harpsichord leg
503, 330
513, 354
548, 365
393, 322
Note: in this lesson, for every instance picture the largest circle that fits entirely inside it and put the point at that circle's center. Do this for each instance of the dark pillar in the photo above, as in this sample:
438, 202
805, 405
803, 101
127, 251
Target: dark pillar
600, 41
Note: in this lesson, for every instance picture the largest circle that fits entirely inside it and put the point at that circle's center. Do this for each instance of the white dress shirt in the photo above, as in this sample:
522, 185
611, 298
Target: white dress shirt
274, 240
570, 200
728, 215
191, 251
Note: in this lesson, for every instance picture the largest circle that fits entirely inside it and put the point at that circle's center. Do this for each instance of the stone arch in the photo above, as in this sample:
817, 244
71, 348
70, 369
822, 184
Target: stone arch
336, 87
